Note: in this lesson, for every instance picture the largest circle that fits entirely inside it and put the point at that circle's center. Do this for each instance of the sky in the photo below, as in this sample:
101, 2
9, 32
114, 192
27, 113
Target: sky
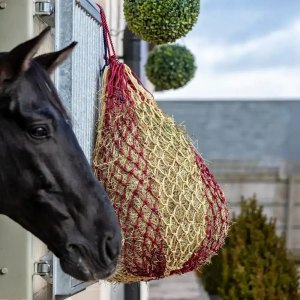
244, 49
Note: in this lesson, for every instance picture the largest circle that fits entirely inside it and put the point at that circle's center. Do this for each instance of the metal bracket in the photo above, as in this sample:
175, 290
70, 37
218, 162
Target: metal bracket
44, 268
45, 10
3, 4
44, 7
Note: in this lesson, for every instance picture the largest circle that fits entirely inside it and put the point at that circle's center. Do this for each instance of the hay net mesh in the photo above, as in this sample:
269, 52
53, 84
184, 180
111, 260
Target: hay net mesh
172, 213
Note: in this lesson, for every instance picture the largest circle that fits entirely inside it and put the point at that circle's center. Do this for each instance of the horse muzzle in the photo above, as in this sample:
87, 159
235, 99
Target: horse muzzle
84, 264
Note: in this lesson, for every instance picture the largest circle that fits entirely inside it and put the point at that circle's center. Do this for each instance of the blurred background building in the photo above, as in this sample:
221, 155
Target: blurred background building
243, 51
253, 148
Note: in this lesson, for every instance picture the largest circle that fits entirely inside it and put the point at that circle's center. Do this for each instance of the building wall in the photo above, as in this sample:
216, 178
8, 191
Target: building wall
275, 189
262, 131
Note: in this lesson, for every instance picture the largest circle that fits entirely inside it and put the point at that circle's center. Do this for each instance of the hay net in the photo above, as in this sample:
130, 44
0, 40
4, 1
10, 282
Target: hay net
172, 213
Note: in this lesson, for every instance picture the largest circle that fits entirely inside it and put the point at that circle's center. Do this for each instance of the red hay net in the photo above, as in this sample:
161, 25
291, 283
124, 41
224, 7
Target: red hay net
137, 145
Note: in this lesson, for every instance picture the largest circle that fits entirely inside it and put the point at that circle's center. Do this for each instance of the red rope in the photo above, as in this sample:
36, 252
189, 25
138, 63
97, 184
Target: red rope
107, 36
117, 81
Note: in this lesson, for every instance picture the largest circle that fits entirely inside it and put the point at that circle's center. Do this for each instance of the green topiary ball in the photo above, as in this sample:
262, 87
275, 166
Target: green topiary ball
170, 67
161, 21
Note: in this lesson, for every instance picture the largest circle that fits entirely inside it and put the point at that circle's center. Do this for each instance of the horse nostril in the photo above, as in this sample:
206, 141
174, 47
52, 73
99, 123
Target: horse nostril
111, 248
74, 249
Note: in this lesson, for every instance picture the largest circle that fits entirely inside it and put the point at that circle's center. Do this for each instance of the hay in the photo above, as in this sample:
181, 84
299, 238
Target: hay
172, 213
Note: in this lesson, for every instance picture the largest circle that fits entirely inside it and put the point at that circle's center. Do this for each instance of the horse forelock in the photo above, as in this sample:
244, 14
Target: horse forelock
40, 78
45, 86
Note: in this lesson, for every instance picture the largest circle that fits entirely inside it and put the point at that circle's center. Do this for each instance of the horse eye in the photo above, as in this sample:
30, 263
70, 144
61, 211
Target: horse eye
39, 132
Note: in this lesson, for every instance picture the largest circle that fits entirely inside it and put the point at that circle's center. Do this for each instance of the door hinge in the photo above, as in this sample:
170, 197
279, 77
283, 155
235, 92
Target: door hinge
44, 267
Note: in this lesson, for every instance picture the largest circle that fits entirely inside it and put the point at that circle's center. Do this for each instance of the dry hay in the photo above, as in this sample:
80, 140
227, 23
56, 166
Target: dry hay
172, 212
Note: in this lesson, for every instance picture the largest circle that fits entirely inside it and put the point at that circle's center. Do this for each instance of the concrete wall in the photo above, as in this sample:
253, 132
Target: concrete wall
277, 190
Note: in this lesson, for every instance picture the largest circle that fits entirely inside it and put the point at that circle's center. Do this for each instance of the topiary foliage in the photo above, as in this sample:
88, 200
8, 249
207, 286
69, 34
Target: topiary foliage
161, 21
170, 67
254, 263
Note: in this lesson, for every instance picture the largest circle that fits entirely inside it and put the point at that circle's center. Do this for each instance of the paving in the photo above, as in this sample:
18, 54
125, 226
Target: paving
184, 287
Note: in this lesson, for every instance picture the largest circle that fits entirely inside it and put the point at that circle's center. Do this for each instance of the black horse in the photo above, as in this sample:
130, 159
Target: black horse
46, 183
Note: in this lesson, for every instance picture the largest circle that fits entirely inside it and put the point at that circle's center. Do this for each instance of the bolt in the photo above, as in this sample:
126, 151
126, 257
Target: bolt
3, 5
3, 271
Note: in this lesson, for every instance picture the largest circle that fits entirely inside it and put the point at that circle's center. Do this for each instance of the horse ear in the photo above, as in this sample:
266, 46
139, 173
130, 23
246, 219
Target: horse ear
19, 59
52, 60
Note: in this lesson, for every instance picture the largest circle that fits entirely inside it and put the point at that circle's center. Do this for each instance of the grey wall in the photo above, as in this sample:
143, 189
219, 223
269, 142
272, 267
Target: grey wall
266, 131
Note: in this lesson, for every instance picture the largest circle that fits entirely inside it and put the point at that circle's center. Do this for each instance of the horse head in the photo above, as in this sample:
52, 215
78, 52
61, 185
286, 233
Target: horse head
46, 183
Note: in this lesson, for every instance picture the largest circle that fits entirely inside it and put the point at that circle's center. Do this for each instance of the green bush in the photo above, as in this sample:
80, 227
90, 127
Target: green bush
161, 21
254, 264
170, 67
